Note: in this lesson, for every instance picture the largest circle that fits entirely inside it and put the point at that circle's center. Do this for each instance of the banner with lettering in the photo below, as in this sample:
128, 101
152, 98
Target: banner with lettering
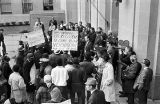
35, 38
65, 40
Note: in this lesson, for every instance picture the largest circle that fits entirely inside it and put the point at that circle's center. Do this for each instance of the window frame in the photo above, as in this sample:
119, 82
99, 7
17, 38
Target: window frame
27, 6
48, 4
6, 3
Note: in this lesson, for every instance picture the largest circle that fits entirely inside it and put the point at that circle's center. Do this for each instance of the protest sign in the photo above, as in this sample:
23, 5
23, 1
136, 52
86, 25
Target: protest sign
65, 40
12, 41
35, 38
65, 102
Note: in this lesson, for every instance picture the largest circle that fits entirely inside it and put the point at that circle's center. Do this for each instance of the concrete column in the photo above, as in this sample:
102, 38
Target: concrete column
72, 10
102, 21
94, 13
63, 7
154, 48
87, 11
83, 11
114, 16
126, 17
141, 28
16, 6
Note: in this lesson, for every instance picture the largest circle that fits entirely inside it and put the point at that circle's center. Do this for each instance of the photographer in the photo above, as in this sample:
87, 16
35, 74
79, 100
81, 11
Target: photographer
125, 60
130, 75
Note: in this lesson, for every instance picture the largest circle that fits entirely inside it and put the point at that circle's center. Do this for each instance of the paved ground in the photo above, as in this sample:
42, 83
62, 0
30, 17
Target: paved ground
122, 100
11, 42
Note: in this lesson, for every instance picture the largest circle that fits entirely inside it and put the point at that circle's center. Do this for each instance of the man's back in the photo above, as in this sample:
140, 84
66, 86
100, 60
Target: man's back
88, 67
77, 75
59, 76
145, 78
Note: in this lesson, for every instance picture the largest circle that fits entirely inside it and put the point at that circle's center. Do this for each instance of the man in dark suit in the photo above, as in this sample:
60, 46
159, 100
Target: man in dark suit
30, 88
130, 75
142, 84
101, 37
80, 27
77, 78
6, 71
97, 96
88, 45
20, 60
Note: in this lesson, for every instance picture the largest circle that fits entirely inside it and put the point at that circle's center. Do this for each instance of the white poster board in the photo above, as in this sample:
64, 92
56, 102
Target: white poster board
35, 38
65, 40
65, 102
12, 41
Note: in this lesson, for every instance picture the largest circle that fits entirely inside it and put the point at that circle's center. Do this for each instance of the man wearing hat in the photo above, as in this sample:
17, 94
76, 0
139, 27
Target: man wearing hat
45, 68
142, 84
97, 96
19, 60
53, 57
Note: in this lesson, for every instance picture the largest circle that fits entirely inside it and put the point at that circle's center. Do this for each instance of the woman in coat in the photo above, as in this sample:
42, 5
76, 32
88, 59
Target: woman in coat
108, 83
18, 87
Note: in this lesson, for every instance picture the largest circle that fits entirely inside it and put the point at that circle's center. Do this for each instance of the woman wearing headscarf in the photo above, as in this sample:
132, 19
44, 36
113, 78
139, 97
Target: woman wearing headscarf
18, 87
43, 93
56, 96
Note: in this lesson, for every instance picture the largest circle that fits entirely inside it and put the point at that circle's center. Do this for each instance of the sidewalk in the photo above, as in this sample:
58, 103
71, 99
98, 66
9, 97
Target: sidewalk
122, 100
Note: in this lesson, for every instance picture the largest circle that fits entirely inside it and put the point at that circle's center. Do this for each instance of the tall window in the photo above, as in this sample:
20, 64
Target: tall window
27, 6
47, 4
5, 6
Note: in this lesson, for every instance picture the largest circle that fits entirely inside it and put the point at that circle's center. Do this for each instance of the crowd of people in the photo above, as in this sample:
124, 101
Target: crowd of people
41, 75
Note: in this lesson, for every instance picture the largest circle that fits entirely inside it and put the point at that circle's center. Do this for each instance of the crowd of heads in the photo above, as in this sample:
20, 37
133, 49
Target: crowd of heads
91, 45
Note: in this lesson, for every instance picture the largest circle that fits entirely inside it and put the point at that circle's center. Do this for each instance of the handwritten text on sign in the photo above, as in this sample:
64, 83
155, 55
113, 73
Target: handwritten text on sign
65, 40
35, 38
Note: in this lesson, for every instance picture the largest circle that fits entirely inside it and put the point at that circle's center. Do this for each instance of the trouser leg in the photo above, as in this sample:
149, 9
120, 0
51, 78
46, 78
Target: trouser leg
72, 95
130, 98
81, 97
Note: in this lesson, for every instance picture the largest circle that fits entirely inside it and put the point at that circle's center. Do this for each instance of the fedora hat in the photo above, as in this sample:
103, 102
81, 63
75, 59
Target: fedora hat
91, 81
45, 58
57, 52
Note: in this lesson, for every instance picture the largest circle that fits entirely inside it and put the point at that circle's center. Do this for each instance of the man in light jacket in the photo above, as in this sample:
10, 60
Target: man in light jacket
142, 84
